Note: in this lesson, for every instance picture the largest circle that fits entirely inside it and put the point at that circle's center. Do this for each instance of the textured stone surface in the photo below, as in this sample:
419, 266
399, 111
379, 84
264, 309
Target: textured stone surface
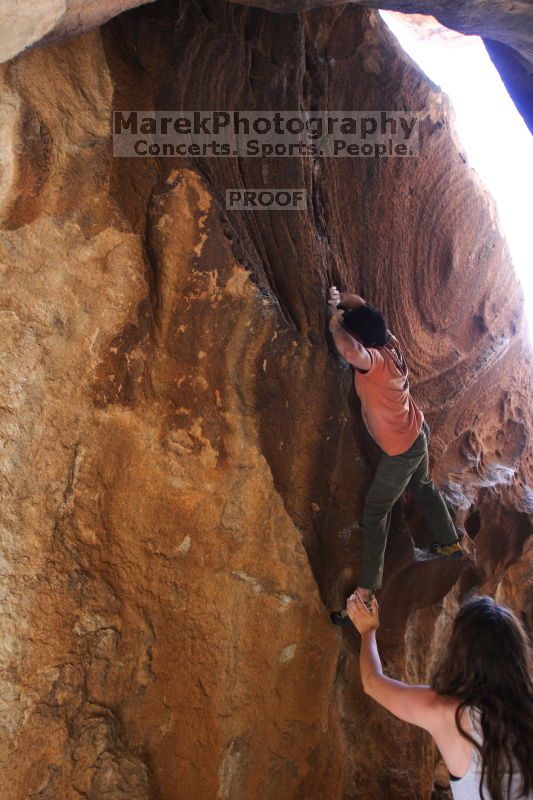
24, 23
184, 463
507, 29
505, 22
517, 75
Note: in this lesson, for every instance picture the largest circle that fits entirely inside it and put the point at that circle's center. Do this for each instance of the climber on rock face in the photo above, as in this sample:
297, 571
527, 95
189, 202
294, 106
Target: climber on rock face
398, 427
482, 687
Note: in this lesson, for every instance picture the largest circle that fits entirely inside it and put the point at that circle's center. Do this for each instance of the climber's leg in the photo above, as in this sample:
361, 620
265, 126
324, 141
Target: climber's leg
432, 504
392, 476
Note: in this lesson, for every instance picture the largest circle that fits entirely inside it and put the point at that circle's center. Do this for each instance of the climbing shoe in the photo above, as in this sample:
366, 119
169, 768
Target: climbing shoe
453, 550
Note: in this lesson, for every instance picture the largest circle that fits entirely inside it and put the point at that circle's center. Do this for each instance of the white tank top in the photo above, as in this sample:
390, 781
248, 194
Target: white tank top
467, 787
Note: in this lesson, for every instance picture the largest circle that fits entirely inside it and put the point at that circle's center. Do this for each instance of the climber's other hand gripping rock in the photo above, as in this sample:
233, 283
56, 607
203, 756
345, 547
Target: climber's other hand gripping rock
334, 297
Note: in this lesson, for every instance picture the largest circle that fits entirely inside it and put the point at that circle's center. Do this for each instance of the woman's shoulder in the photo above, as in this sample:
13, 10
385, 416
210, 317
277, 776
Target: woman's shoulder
446, 711
454, 748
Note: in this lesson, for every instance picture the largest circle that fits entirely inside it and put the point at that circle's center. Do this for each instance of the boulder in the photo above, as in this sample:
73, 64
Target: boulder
184, 463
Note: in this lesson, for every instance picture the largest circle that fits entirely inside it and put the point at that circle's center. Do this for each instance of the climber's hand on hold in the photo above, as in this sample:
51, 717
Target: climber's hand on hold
363, 619
334, 297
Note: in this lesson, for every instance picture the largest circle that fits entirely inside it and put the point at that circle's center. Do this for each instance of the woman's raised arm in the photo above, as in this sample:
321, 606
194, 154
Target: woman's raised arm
419, 705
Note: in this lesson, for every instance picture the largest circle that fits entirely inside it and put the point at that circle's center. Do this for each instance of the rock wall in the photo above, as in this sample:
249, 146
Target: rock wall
184, 463
25, 24
506, 29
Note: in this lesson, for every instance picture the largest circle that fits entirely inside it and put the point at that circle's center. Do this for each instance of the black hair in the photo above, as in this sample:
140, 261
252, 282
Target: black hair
369, 323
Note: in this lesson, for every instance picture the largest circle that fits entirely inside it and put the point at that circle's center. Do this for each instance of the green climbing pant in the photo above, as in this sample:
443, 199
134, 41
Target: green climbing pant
395, 474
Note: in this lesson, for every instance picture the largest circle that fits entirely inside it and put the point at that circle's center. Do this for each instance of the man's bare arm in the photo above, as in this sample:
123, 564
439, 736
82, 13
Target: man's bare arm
348, 300
348, 347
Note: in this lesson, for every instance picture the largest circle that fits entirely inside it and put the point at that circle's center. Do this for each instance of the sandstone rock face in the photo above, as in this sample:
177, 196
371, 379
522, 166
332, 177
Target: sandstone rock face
494, 19
25, 24
507, 29
184, 464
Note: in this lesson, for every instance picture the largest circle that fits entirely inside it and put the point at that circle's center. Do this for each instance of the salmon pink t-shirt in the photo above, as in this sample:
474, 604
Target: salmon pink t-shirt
391, 415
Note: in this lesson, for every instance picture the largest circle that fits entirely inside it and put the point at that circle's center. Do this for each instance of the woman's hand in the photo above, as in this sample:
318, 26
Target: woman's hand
334, 297
363, 619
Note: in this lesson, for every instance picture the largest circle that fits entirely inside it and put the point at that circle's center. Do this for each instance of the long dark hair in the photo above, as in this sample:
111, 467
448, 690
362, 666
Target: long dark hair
487, 667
